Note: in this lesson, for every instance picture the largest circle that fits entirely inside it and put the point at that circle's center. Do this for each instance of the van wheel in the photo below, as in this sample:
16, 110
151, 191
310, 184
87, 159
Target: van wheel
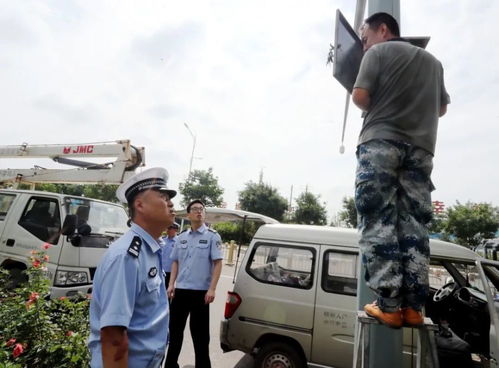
16, 278
278, 355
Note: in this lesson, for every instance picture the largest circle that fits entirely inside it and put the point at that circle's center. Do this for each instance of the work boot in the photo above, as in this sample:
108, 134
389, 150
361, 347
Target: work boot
391, 319
412, 317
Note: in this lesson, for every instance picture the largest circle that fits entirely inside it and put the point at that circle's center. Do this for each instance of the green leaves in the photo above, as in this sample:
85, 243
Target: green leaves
264, 199
201, 184
46, 332
309, 210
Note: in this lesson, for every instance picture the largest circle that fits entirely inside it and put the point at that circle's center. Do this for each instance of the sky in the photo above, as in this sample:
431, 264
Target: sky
250, 80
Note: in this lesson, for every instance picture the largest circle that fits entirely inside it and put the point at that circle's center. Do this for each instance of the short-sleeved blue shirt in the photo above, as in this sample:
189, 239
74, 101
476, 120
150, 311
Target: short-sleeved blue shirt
166, 251
129, 291
195, 252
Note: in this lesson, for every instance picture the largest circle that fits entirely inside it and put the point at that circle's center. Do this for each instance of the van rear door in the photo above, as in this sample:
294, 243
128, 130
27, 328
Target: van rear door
335, 307
489, 273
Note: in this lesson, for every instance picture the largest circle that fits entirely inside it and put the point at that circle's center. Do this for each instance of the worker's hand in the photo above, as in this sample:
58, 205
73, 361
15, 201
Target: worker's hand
171, 291
209, 296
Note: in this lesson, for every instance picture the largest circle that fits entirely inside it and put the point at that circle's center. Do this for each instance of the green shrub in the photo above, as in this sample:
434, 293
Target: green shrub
36, 331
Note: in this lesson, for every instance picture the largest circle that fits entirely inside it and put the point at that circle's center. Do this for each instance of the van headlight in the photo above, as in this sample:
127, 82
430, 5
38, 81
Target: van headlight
63, 278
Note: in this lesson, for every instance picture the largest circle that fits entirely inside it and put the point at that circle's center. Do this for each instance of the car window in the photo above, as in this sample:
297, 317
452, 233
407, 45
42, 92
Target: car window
42, 219
439, 276
5, 203
282, 265
339, 273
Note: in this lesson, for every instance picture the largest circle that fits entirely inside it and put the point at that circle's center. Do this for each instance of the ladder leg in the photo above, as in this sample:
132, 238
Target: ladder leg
357, 348
366, 346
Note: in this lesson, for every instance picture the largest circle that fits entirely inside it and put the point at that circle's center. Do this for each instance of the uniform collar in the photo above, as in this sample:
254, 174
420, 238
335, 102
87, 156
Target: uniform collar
154, 244
202, 229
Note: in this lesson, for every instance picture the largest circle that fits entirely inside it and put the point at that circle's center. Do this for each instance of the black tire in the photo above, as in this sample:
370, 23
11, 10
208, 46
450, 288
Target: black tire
278, 355
17, 277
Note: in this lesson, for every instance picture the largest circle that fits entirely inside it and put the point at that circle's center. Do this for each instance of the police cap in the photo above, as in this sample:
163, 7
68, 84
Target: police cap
154, 178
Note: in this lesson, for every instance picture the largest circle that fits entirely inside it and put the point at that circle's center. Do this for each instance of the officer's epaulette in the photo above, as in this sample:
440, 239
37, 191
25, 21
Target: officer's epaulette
183, 231
134, 248
212, 230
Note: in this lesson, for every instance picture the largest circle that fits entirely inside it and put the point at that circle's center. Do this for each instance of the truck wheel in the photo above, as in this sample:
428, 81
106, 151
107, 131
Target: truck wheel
16, 278
278, 355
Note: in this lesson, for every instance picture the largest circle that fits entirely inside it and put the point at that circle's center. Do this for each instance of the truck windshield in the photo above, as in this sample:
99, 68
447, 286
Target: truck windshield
103, 218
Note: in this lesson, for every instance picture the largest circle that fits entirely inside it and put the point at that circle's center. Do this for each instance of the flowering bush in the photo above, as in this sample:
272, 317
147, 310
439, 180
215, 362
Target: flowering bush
36, 331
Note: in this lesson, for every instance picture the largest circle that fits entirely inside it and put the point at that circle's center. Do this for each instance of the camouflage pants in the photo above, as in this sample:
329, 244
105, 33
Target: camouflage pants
393, 200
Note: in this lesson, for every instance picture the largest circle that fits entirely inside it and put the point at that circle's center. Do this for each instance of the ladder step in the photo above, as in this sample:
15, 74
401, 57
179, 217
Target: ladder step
426, 350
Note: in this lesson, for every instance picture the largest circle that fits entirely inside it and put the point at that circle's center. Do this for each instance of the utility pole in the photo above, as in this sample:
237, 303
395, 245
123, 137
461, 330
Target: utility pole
193, 147
385, 344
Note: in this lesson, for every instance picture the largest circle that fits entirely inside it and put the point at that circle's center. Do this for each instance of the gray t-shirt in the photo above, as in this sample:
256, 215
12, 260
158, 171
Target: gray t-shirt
406, 87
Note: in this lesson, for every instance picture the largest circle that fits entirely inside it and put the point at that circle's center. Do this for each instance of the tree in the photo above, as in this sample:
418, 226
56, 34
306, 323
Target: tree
309, 210
104, 192
262, 198
201, 184
349, 213
472, 222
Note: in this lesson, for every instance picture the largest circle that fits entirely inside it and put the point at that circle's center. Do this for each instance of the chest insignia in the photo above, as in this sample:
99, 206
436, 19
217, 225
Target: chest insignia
134, 248
183, 241
153, 271
203, 241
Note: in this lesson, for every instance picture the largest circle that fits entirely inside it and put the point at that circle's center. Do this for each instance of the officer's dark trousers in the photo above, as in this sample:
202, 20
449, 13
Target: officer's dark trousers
185, 303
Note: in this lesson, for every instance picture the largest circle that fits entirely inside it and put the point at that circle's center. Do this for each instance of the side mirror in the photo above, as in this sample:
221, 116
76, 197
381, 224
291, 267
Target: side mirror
69, 225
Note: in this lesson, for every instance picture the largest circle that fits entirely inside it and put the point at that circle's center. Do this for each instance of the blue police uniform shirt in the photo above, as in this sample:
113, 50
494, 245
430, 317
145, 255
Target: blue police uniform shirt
195, 252
166, 251
129, 291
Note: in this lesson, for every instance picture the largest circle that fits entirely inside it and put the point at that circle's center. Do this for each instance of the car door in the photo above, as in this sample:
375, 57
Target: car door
335, 307
489, 273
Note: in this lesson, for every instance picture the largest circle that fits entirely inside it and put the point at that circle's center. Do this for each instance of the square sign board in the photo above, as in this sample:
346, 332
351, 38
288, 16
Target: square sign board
347, 53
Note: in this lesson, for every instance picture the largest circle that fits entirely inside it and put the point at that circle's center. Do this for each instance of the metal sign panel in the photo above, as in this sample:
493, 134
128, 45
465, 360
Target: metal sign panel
347, 53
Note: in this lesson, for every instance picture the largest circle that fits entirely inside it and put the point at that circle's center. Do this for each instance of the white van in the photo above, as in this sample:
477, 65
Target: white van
78, 229
294, 299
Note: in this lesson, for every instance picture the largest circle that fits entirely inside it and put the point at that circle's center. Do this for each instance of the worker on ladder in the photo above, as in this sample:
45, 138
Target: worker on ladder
400, 87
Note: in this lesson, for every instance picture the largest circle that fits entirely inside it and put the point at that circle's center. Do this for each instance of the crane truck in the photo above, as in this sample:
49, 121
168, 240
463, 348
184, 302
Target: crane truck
76, 230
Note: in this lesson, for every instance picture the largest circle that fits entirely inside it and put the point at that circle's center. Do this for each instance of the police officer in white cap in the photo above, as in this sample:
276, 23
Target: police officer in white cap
129, 309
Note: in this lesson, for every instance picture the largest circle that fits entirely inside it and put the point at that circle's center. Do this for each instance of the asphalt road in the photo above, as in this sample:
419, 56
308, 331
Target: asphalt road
219, 359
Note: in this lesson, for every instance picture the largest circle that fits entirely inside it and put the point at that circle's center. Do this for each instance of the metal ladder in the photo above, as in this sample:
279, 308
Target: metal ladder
426, 349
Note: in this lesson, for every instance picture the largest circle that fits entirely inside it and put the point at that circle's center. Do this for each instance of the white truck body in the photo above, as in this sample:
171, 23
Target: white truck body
29, 219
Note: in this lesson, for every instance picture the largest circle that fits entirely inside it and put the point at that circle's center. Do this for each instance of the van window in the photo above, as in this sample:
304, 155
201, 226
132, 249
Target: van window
282, 265
339, 273
5, 202
42, 219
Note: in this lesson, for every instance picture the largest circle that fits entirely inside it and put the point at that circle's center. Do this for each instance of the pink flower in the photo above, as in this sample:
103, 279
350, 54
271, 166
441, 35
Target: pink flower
46, 246
18, 350
45, 258
32, 299
62, 298
10, 342
36, 263
33, 252
69, 333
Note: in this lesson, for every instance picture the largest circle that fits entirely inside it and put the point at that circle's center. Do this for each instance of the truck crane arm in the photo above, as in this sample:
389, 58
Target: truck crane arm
127, 159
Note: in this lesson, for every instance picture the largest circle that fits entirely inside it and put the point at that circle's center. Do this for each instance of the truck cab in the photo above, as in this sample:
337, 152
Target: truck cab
76, 230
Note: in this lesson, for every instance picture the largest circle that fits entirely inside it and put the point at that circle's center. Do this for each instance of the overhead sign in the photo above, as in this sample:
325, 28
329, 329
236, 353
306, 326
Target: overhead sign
348, 53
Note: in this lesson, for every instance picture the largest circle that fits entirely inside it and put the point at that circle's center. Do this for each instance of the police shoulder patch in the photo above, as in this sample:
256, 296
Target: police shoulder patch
212, 230
134, 248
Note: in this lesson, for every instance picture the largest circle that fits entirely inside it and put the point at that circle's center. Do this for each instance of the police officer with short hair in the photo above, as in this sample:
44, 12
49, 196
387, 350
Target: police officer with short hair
197, 264
129, 309
169, 239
